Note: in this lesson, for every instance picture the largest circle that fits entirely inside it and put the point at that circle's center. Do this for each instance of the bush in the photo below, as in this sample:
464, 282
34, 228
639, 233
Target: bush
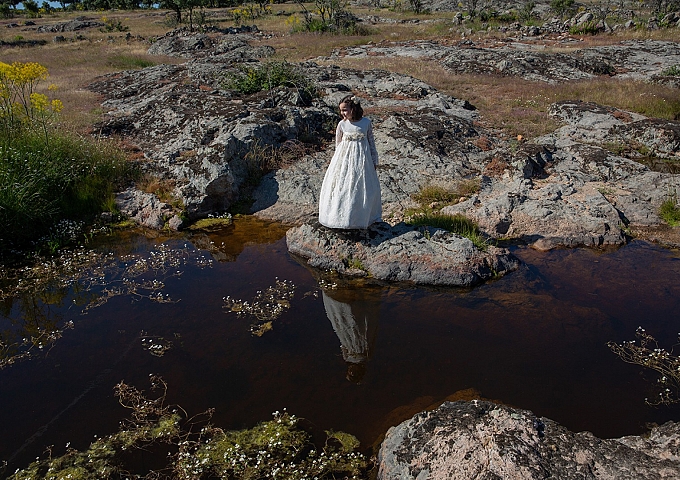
562, 7
329, 16
526, 12
669, 211
268, 76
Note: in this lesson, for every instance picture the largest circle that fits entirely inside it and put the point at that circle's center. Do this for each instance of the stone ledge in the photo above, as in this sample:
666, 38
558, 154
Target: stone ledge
402, 253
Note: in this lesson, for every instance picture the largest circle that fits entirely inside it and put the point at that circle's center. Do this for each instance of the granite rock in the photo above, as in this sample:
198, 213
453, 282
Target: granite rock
483, 440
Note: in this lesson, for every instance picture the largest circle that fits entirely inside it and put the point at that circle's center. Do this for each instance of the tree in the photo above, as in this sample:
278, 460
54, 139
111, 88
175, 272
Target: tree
32, 8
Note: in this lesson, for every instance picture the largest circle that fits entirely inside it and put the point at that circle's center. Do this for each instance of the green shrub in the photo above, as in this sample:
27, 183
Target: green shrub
526, 12
46, 175
673, 71
268, 76
669, 211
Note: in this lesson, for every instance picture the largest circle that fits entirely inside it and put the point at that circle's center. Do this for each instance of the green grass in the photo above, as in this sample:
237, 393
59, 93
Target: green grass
44, 180
130, 62
673, 71
669, 211
458, 224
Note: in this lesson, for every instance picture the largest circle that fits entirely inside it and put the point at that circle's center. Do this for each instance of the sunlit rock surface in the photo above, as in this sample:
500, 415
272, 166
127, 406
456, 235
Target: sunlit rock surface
402, 253
603, 174
483, 440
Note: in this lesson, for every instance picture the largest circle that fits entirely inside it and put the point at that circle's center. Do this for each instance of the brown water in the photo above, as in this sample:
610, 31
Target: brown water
535, 339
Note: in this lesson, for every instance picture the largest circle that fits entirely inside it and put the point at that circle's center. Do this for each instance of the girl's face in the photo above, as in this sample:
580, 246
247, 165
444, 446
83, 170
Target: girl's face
345, 111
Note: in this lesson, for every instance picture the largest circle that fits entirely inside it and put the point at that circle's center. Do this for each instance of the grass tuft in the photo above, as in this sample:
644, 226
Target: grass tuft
673, 71
458, 224
669, 211
130, 62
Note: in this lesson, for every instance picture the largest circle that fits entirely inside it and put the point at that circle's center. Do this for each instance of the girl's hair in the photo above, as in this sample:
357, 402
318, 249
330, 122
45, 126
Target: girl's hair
354, 105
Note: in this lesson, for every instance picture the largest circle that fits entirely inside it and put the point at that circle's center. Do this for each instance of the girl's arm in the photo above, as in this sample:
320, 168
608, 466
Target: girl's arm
371, 144
338, 135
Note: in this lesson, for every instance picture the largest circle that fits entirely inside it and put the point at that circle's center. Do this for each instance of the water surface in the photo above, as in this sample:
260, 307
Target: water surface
351, 357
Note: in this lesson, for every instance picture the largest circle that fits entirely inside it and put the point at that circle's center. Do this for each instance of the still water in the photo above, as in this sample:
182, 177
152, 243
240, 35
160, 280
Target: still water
351, 357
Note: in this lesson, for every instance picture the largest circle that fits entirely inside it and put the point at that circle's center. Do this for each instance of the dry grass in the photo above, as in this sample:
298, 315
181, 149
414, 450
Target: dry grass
74, 64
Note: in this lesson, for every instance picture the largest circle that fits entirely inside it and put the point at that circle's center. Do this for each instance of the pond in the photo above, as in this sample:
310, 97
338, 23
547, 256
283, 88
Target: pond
352, 357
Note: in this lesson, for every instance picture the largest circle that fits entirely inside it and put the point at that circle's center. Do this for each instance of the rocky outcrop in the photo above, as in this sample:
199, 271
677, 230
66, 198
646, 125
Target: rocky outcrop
197, 133
80, 23
182, 43
483, 440
402, 253
641, 60
604, 171
566, 189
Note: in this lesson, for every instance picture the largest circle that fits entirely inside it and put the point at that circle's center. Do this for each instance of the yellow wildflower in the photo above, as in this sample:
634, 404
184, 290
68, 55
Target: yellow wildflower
57, 105
39, 102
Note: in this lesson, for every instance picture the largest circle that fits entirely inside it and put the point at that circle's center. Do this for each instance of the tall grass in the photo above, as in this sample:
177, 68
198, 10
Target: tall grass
43, 181
47, 174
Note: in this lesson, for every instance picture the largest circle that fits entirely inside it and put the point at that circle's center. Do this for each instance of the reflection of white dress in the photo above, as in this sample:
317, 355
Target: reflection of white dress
350, 194
352, 331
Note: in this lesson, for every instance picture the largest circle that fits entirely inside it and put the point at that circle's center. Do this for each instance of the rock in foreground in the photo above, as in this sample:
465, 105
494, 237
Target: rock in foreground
403, 253
478, 439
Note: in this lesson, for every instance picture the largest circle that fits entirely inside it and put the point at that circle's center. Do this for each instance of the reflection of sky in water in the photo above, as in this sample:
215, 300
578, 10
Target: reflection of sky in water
535, 339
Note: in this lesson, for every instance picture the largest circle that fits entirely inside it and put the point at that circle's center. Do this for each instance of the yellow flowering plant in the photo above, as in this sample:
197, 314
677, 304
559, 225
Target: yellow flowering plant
20, 104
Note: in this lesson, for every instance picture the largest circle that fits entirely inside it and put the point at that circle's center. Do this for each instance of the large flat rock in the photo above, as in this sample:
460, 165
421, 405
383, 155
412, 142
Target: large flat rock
402, 253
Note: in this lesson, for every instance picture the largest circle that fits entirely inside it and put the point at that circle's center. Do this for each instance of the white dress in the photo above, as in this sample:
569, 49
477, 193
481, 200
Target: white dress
350, 193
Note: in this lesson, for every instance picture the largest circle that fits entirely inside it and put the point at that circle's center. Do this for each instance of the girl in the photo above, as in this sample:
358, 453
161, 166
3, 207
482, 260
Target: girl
350, 193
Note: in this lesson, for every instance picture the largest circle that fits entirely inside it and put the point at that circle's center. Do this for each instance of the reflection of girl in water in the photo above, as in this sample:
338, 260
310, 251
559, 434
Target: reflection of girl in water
355, 322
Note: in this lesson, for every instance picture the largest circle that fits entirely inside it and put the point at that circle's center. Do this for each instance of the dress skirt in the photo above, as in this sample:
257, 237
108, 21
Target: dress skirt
350, 193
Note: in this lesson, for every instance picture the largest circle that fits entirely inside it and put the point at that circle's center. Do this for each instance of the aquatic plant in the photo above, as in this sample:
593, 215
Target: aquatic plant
156, 345
649, 355
265, 307
93, 278
211, 223
279, 448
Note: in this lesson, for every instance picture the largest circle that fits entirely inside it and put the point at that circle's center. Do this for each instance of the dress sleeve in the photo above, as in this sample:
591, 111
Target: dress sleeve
371, 143
338, 134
